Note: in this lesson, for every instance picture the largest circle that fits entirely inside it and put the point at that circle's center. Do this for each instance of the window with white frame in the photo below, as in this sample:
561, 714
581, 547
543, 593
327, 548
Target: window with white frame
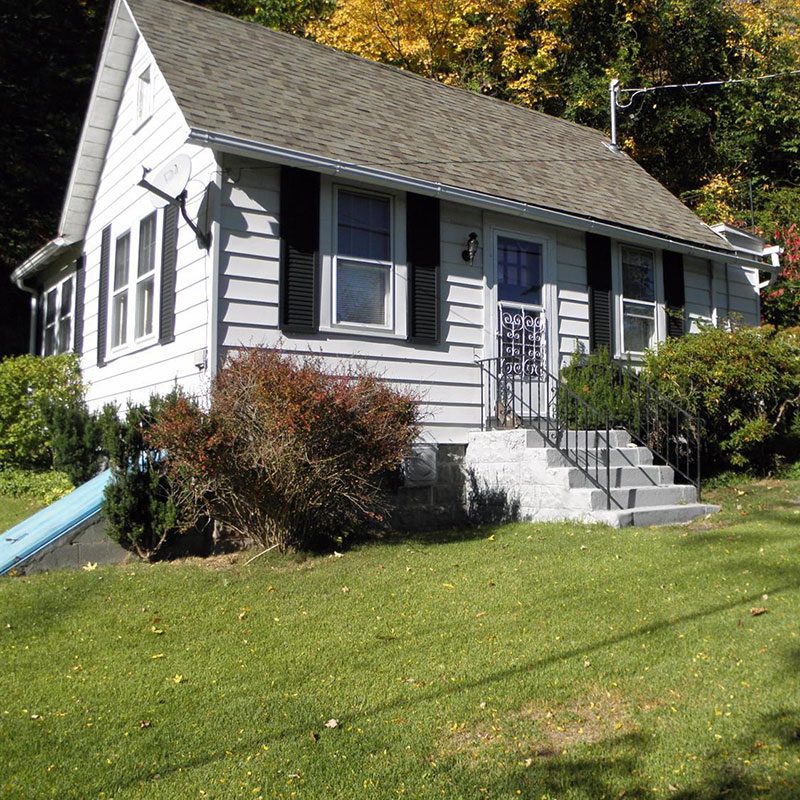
144, 96
146, 277
119, 296
638, 299
59, 310
362, 270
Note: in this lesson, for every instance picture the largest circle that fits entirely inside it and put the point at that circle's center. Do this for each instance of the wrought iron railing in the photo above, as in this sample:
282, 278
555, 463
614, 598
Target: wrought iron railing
654, 420
510, 398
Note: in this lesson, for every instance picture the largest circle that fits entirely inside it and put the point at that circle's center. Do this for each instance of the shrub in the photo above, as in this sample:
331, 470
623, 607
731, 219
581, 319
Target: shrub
29, 385
608, 392
138, 504
75, 440
46, 487
744, 383
287, 453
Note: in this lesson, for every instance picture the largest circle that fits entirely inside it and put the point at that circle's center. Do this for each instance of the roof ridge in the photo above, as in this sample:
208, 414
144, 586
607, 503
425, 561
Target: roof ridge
404, 73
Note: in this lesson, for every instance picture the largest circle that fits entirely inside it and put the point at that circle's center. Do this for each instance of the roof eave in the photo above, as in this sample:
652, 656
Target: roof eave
42, 257
282, 155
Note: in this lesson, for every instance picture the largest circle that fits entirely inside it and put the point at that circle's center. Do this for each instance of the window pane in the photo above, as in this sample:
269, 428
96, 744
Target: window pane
144, 308
361, 293
363, 226
121, 261
51, 307
119, 321
638, 327
65, 334
638, 275
50, 340
519, 271
147, 245
66, 298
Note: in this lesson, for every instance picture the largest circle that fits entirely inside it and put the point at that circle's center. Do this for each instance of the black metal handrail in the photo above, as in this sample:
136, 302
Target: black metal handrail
656, 421
511, 398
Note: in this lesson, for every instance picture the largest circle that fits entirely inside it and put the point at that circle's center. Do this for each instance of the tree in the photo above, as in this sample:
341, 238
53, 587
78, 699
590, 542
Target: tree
46, 62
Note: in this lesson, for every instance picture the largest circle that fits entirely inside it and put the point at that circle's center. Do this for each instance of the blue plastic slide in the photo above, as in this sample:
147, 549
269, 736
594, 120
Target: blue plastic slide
47, 526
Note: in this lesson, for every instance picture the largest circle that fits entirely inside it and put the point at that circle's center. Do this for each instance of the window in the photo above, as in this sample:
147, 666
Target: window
59, 310
638, 300
519, 271
119, 299
146, 277
144, 97
363, 260
133, 298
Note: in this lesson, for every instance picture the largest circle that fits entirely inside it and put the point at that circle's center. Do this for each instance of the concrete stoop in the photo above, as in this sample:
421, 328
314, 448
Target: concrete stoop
541, 483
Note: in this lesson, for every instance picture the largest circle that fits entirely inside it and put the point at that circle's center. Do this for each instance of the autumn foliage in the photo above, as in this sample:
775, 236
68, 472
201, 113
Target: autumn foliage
287, 453
781, 302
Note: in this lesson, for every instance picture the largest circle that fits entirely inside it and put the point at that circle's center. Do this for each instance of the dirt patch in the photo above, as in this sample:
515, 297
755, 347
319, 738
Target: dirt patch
543, 732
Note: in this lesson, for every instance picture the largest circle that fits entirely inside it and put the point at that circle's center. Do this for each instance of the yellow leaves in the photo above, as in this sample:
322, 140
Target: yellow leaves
178, 678
90, 566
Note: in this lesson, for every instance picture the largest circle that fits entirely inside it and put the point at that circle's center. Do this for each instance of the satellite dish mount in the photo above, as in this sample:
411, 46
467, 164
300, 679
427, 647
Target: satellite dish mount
170, 186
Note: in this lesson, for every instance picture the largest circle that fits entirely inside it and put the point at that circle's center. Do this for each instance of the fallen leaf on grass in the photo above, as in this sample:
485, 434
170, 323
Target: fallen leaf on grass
758, 611
332, 723
448, 586
314, 736
91, 566
145, 723
157, 655
178, 679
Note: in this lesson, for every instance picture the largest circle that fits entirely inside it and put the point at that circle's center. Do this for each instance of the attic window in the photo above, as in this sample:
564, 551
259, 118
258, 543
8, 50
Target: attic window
144, 97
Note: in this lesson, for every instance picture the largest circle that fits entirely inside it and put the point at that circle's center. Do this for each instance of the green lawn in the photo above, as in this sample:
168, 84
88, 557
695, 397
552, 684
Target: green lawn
549, 661
15, 509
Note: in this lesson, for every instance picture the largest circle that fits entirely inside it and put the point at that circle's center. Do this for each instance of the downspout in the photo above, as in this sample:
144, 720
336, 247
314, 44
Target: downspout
34, 319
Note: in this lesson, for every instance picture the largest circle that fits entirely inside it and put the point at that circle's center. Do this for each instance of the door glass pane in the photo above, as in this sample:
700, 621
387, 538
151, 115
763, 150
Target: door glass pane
361, 291
363, 226
638, 275
519, 271
638, 326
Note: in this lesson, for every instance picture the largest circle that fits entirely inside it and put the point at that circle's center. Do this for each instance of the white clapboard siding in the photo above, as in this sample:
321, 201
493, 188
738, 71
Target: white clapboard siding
136, 373
444, 376
699, 294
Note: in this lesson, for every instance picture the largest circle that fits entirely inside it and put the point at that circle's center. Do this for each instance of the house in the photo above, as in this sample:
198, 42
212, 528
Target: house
341, 207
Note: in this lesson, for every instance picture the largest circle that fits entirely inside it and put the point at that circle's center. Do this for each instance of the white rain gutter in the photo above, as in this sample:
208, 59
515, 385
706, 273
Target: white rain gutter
42, 257
283, 155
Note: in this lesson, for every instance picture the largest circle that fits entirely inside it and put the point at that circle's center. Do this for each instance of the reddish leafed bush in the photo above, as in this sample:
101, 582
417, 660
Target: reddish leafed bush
287, 453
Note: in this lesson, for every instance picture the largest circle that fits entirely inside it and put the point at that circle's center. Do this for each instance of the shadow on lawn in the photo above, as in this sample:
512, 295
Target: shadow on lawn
588, 777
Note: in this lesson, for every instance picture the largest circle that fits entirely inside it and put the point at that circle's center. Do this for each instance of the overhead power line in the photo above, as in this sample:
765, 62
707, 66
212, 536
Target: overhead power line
696, 85
615, 91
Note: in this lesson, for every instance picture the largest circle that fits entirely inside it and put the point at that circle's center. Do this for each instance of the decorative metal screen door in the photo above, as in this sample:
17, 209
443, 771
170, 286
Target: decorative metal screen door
521, 334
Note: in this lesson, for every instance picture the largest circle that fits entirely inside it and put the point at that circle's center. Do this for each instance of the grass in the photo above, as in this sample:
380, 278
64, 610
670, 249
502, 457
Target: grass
536, 661
15, 509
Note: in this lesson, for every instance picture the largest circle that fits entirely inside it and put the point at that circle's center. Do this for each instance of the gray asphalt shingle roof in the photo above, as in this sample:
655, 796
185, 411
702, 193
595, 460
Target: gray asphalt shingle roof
244, 80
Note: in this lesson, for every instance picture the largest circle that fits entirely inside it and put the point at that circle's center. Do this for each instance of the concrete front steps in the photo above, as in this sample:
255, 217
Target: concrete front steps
518, 467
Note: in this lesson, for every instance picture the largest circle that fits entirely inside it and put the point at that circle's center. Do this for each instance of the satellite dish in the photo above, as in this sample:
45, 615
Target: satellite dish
170, 180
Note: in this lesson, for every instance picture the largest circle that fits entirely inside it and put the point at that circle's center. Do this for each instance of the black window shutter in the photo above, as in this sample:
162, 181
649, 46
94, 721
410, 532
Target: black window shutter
169, 262
39, 338
423, 246
299, 225
80, 289
674, 293
598, 272
102, 304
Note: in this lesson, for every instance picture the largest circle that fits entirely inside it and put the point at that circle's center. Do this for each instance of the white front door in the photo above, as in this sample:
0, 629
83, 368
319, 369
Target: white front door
521, 327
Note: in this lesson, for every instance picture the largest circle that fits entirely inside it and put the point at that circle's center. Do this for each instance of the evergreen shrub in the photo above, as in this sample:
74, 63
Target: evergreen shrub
287, 453
138, 505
